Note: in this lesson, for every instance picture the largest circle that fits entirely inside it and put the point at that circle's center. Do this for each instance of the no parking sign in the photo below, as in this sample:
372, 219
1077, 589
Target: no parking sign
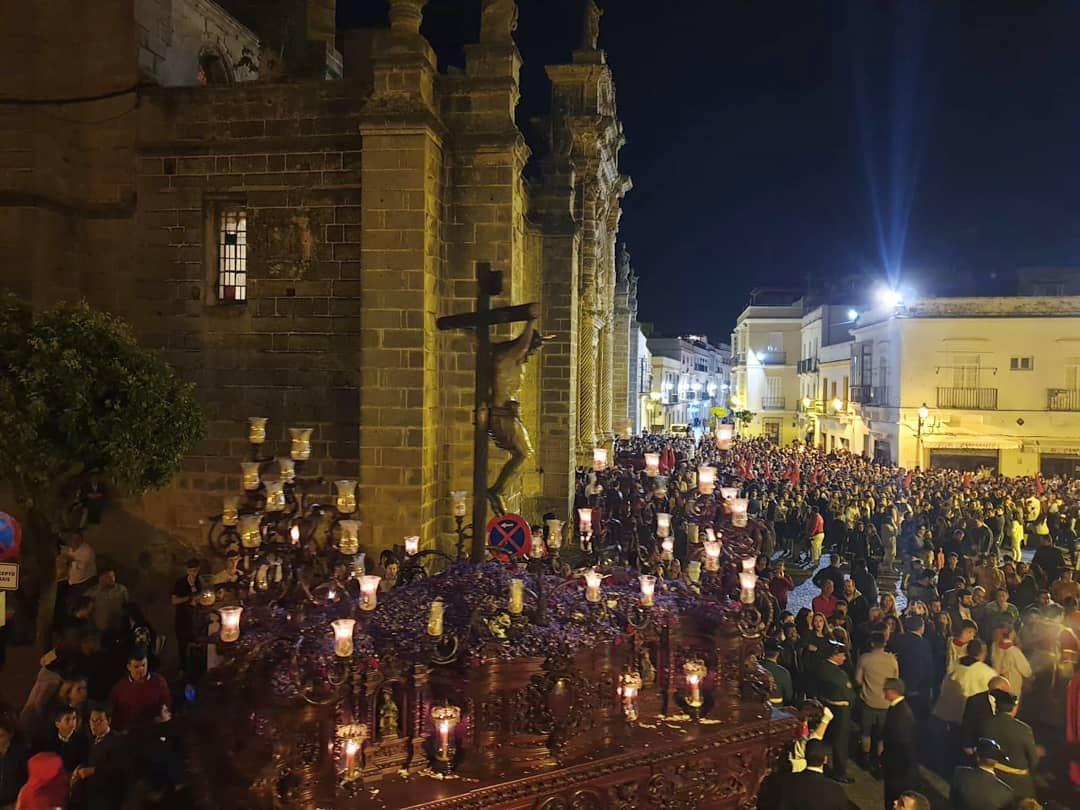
10, 537
511, 534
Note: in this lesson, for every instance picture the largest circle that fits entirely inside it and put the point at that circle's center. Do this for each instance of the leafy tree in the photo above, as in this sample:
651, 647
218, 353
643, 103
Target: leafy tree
80, 397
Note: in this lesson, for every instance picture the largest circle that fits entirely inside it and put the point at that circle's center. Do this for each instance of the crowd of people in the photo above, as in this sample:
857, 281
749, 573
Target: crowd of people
944, 631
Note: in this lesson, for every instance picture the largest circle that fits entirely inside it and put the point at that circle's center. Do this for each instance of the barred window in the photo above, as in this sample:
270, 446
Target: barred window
232, 255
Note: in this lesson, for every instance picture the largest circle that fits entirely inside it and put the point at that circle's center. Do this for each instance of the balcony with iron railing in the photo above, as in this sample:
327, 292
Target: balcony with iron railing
808, 365
773, 403
1062, 399
869, 394
764, 357
970, 399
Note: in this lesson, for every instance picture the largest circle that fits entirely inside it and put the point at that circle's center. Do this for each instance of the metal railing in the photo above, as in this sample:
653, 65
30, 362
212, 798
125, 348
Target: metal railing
869, 394
808, 366
971, 399
772, 403
771, 358
1062, 399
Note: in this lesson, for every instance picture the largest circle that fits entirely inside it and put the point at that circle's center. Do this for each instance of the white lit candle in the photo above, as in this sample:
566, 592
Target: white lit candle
345, 499
723, 437
230, 623
652, 464
294, 534
712, 552
728, 493
229, 514
667, 549
706, 479
353, 736
350, 536
250, 534
695, 671
599, 458
592, 585
747, 583
585, 520
412, 545
250, 472
445, 719
275, 496
435, 618
256, 429
300, 447
629, 685
554, 540
369, 591
663, 524
287, 468
738, 511
457, 500
648, 589
517, 596
343, 637
352, 748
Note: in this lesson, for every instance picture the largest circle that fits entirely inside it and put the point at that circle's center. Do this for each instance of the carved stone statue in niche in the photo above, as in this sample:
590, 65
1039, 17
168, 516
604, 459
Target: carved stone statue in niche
388, 715
498, 20
648, 671
590, 34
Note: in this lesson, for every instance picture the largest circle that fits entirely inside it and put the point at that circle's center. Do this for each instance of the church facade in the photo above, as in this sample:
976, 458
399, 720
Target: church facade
285, 210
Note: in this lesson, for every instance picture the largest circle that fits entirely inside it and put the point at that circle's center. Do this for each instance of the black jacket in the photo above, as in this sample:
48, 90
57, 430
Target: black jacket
899, 761
976, 789
916, 661
12, 771
814, 788
977, 714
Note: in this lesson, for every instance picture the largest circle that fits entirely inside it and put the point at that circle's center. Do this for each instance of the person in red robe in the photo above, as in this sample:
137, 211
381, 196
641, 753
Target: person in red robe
1072, 728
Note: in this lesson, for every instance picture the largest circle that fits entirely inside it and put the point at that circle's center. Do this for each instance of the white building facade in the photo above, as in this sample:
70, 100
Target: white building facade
691, 377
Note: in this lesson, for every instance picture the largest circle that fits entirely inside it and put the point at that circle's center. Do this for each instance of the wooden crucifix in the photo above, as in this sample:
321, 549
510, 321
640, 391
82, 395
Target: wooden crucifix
499, 370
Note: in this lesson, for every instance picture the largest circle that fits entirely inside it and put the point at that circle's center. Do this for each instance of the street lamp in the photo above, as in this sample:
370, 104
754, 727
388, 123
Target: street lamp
924, 412
837, 405
806, 403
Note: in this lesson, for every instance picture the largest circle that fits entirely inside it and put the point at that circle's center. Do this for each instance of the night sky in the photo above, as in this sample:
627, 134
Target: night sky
778, 143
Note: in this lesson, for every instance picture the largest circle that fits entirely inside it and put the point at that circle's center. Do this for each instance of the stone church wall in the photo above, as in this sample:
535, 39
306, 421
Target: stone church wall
173, 34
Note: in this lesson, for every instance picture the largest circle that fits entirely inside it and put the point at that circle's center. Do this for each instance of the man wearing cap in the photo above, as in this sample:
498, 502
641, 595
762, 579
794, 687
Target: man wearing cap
1017, 742
834, 689
979, 788
899, 764
783, 693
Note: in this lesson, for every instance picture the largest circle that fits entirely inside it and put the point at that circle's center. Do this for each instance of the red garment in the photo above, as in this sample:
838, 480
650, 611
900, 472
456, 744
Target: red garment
1039, 488
780, 587
1072, 727
137, 704
795, 474
825, 605
907, 480
817, 525
46, 783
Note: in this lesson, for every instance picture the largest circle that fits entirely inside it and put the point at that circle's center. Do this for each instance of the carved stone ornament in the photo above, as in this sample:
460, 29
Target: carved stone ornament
590, 32
498, 20
406, 16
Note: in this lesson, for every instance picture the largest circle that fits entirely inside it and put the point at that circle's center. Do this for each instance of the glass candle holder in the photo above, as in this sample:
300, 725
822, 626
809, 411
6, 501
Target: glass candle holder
445, 719
275, 496
747, 584
647, 582
585, 520
287, 470
294, 534
694, 671
592, 585
349, 542
652, 464
667, 549
250, 531
358, 568
712, 552
723, 436
369, 591
693, 571
630, 683
230, 505
706, 479
256, 429
230, 624
352, 738
517, 596
739, 508
435, 618
345, 497
300, 443
457, 502
749, 564
536, 545
554, 539
343, 637
727, 493
693, 532
249, 471
663, 524
599, 458
412, 545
